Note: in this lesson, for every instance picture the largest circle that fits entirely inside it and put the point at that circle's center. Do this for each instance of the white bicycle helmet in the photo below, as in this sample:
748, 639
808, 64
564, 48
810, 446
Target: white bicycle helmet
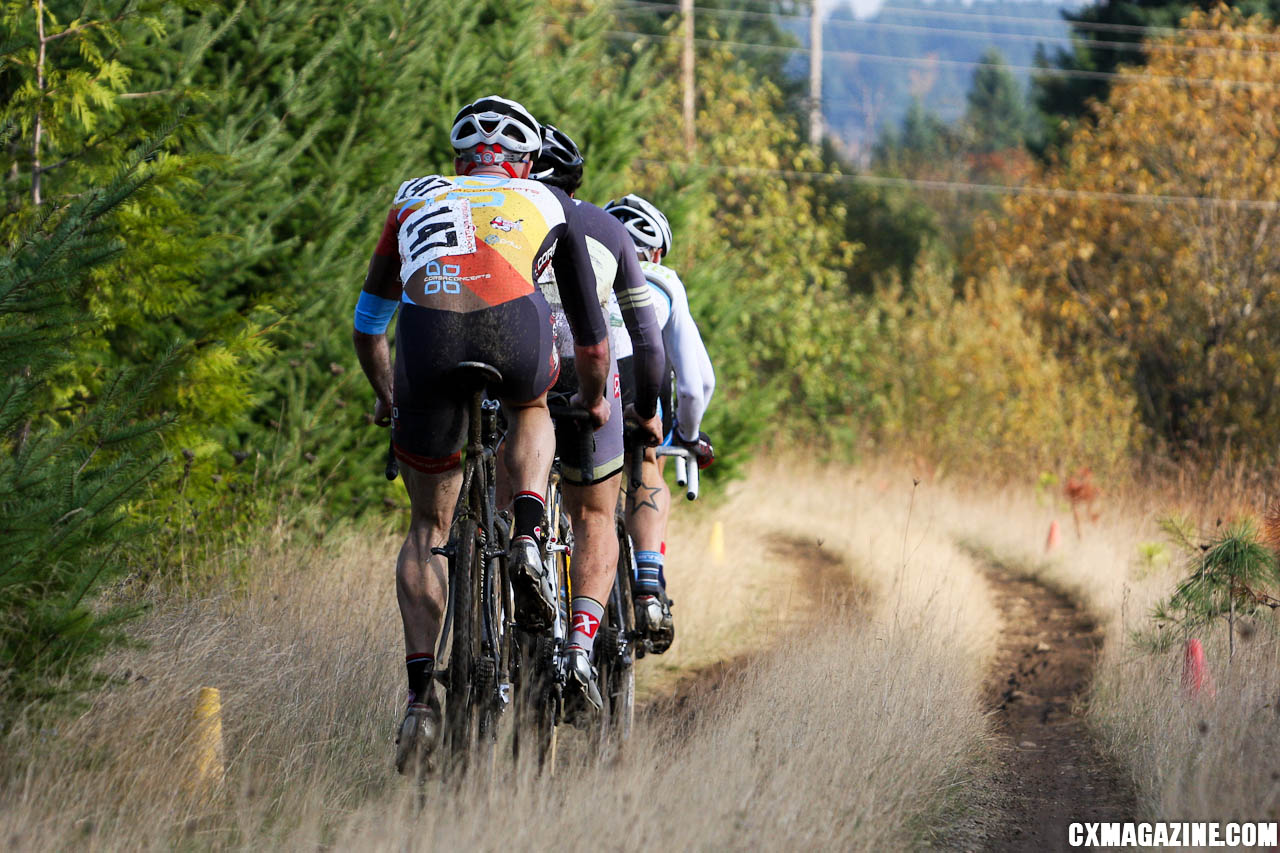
495, 121
647, 226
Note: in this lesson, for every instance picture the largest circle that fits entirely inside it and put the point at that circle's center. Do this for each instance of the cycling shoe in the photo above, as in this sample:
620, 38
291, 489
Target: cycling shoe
534, 591
653, 617
582, 701
418, 734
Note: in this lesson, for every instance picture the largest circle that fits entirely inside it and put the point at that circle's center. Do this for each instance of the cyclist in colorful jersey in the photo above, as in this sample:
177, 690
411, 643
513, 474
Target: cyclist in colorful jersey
459, 256
622, 291
649, 502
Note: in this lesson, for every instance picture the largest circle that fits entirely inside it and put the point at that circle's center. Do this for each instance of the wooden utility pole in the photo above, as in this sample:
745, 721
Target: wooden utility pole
686, 10
815, 74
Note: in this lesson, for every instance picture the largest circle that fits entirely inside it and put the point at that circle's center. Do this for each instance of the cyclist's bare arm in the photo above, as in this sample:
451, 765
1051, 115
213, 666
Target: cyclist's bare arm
382, 281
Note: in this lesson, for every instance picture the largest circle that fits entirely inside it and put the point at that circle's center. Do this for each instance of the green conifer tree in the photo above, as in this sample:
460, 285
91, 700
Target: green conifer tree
65, 477
997, 116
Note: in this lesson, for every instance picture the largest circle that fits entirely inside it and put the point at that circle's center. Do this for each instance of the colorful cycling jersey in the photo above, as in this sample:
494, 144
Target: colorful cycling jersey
695, 378
626, 299
470, 243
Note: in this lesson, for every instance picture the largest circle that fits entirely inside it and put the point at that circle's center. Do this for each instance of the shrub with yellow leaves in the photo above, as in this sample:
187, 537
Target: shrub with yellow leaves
1162, 255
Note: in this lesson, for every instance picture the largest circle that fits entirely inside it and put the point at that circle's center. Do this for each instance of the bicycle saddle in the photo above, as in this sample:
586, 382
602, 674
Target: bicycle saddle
476, 374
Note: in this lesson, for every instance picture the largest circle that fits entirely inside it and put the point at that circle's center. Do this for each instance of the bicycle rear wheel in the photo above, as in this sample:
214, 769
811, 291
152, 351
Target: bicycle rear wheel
459, 700
495, 644
539, 692
615, 662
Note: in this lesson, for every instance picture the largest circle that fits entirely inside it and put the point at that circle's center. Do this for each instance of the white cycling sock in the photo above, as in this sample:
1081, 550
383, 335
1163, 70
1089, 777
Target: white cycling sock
587, 616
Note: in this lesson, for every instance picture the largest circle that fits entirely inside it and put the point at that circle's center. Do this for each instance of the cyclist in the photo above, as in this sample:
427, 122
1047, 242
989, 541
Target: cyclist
649, 502
460, 256
622, 290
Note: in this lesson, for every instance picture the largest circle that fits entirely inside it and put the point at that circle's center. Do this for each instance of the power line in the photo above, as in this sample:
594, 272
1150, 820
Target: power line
1075, 73
1120, 46
1133, 29
969, 186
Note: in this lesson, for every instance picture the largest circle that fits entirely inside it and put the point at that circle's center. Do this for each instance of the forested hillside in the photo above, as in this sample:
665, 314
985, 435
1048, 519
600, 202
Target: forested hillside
926, 52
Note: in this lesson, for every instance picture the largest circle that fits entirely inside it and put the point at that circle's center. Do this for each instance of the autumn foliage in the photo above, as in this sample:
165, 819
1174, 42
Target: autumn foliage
1160, 256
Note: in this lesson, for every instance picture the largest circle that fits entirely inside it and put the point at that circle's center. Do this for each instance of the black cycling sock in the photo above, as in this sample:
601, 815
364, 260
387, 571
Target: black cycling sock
419, 667
528, 509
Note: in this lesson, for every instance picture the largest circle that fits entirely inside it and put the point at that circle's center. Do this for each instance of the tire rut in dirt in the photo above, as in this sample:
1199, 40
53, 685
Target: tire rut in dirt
829, 586
1050, 772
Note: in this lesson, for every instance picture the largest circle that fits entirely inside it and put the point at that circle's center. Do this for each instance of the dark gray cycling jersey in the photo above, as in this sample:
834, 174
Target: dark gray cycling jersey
626, 298
611, 247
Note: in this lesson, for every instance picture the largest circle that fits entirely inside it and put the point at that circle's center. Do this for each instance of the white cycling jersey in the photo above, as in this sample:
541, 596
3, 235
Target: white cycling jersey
695, 378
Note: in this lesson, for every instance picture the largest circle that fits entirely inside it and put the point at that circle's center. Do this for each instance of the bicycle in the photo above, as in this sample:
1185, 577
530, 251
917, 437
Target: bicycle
480, 604
537, 665
658, 632
540, 669
686, 468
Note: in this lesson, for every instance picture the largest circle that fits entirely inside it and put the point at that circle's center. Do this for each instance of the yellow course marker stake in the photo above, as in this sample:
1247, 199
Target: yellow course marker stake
208, 738
717, 542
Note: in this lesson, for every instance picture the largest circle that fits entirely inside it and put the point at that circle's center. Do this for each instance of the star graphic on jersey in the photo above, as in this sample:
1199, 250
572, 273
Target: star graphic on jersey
649, 499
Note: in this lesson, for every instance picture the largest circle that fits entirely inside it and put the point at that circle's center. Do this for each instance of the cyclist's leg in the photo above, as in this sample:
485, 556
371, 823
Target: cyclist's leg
530, 444
648, 508
591, 507
527, 359
649, 502
428, 426
421, 577
595, 552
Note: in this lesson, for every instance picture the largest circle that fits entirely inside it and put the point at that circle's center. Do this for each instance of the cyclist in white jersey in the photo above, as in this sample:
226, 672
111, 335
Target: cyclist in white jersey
649, 502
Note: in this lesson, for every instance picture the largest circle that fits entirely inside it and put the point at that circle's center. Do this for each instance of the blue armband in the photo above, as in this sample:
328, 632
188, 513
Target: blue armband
373, 313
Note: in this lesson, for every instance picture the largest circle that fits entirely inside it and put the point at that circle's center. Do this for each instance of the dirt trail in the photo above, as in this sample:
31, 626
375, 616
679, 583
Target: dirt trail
1050, 772
828, 584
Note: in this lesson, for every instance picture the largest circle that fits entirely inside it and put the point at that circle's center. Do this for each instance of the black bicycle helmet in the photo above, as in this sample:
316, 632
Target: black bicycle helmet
560, 163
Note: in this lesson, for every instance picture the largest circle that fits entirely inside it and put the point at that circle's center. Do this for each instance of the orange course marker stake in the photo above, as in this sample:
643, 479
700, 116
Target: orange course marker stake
1055, 533
1195, 672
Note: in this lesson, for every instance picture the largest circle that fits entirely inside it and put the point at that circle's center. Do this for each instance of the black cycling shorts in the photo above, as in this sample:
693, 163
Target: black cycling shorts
606, 461
666, 392
430, 409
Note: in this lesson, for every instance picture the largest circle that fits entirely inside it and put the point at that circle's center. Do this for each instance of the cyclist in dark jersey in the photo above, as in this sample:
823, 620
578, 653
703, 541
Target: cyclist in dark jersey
459, 256
621, 289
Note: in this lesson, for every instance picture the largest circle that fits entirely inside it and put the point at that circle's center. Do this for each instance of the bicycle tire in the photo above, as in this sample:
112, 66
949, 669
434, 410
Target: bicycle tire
491, 635
459, 701
616, 663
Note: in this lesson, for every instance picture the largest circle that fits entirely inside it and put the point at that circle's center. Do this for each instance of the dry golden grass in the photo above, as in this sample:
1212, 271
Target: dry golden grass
1192, 758
848, 728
